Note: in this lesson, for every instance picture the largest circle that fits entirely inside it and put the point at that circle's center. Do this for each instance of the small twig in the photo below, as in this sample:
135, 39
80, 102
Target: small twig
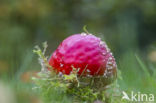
84, 70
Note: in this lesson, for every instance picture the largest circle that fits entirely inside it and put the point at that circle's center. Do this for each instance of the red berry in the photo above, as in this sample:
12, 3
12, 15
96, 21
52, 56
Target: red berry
86, 53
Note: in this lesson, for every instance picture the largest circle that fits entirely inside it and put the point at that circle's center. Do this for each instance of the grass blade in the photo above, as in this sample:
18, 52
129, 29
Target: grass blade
143, 67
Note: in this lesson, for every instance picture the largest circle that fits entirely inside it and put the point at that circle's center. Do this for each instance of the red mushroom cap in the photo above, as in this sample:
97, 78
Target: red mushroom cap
87, 53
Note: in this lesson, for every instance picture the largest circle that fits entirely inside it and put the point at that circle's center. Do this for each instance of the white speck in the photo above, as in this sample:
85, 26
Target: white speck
61, 65
89, 75
99, 38
110, 58
108, 50
83, 34
103, 53
114, 65
110, 72
110, 67
104, 75
60, 74
88, 70
109, 63
104, 45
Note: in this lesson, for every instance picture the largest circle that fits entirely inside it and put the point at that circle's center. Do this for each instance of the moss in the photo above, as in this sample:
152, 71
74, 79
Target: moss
56, 87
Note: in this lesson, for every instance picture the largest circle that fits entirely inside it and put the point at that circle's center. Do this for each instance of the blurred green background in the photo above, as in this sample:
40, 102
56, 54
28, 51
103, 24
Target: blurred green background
128, 27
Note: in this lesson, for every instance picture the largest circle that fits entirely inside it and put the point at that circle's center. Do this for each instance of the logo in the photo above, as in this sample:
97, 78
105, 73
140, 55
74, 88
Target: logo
140, 97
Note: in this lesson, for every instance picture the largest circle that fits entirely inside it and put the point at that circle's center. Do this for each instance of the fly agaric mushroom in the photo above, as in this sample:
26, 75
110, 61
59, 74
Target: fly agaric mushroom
87, 53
